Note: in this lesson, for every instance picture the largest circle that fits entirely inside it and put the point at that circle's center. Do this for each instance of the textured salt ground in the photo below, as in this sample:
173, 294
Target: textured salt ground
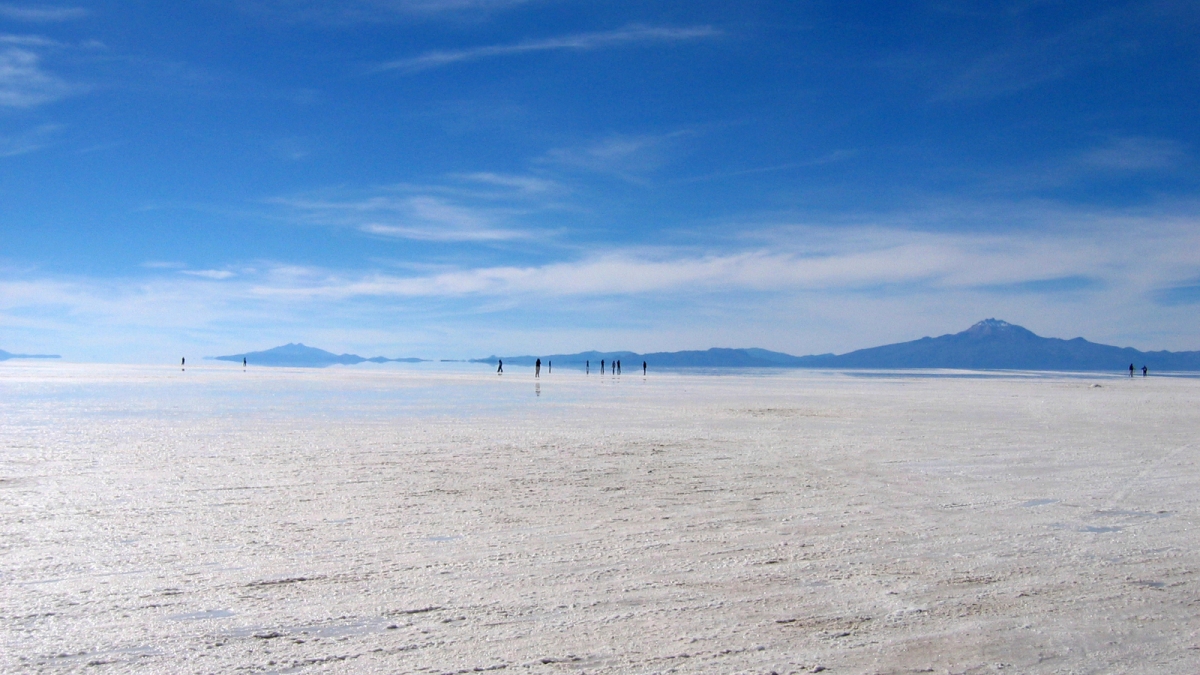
414, 520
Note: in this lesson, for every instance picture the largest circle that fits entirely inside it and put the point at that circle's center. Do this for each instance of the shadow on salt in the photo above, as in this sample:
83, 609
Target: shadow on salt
202, 616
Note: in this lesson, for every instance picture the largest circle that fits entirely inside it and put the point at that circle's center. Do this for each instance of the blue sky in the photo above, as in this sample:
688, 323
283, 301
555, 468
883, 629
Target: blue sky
455, 178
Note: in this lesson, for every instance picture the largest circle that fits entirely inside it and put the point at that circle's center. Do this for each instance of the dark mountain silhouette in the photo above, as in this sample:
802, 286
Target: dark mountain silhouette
302, 356
988, 345
4, 356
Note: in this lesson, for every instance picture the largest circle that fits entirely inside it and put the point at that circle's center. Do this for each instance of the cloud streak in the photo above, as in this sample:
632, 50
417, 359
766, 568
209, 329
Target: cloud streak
471, 207
1120, 264
41, 13
629, 35
23, 82
29, 141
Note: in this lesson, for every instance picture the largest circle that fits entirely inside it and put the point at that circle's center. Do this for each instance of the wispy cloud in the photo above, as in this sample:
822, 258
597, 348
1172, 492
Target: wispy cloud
629, 157
1135, 154
809, 259
41, 13
28, 141
25, 84
1133, 265
210, 274
471, 207
1027, 49
417, 217
525, 184
439, 6
377, 11
29, 41
579, 42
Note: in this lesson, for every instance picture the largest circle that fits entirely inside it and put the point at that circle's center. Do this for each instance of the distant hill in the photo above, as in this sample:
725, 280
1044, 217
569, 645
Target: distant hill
988, 345
994, 344
297, 355
4, 356
710, 358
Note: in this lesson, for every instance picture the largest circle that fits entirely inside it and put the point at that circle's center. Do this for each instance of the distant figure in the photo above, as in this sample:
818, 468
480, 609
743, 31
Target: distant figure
182, 362
587, 367
500, 370
537, 368
1131, 370
243, 362
549, 366
1144, 371
618, 366
601, 366
643, 368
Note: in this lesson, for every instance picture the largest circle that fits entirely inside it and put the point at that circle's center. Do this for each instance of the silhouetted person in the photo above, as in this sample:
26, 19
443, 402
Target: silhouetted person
618, 367
643, 368
243, 362
549, 366
1143, 371
587, 367
501, 368
537, 368
1131, 370
183, 362
601, 366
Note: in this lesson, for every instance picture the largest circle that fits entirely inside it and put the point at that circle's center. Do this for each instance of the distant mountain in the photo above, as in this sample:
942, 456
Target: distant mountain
988, 345
994, 344
710, 358
4, 356
297, 355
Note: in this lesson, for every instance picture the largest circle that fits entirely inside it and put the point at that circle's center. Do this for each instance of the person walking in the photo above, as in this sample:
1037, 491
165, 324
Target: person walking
1131, 370
537, 368
643, 368
500, 370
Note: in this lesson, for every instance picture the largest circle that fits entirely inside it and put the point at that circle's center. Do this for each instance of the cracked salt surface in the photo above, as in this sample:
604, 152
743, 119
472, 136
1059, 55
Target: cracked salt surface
447, 520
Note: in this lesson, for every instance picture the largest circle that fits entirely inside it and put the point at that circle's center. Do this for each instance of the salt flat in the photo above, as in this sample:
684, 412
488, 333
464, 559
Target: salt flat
446, 520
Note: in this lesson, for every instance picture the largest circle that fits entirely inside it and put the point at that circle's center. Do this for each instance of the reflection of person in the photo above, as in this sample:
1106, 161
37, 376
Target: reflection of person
501, 368
537, 368
1143, 371
1131, 370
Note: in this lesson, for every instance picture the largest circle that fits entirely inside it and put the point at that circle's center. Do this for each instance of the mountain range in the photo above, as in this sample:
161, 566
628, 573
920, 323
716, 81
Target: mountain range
303, 356
988, 345
4, 356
